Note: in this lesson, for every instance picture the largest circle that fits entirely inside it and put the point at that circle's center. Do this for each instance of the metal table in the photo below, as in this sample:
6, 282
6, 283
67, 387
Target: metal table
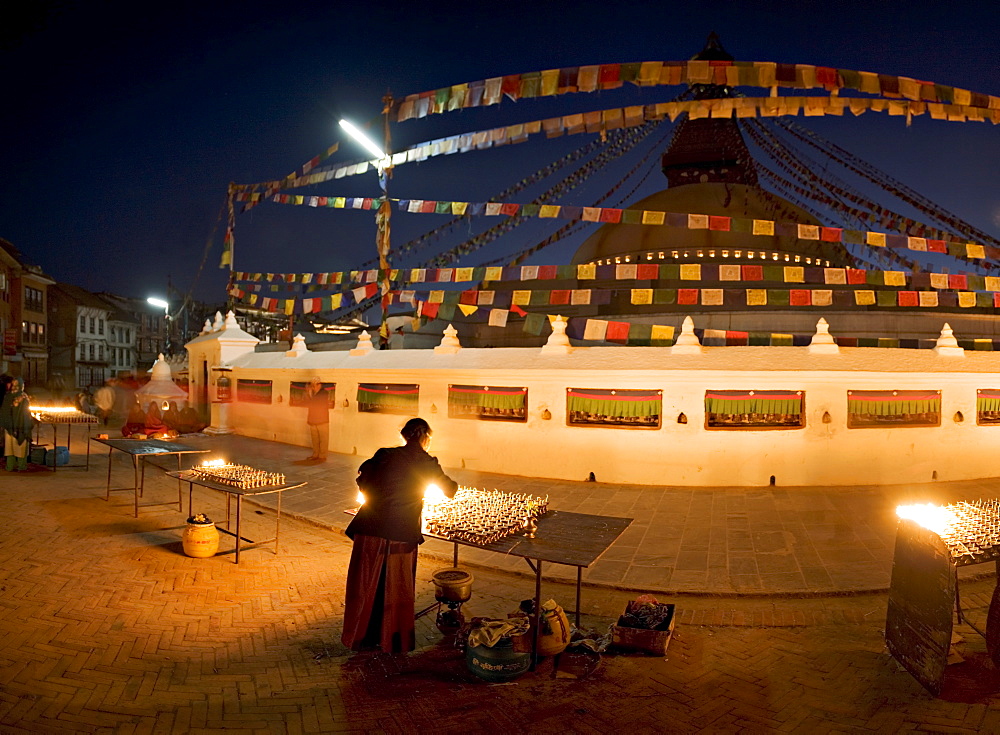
574, 539
142, 450
192, 479
55, 422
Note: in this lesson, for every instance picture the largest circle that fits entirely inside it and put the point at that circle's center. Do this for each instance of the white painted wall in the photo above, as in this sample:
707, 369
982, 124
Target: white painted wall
675, 454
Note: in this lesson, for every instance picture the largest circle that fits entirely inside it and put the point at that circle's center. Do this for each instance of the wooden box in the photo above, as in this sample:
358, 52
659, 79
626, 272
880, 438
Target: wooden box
639, 639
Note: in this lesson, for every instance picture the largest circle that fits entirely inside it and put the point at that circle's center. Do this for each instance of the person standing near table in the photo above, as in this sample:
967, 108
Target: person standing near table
318, 419
16, 423
381, 577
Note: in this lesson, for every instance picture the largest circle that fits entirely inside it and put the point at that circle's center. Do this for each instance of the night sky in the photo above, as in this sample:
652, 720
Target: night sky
124, 123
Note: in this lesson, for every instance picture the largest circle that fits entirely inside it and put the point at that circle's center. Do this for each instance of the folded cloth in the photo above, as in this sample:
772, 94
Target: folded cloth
489, 632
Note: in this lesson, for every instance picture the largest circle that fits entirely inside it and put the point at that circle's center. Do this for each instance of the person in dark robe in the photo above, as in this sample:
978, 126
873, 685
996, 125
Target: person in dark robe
381, 577
17, 424
135, 422
172, 417
154, 422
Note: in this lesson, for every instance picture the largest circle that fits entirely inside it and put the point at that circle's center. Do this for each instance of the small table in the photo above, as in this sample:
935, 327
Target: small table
55, 420
193, 479
141, 450
574, 539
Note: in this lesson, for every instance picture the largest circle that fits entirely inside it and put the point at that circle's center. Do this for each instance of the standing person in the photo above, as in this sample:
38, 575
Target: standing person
104, 400
318, 418
17, 424
381, 578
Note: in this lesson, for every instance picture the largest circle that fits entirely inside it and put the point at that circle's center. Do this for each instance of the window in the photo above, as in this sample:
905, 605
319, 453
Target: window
33, 299
253, 391
91, 351
614, 408
398, 398
754, 409
488, 403
100, 352
41, 334
100, 326
988, 407
83, 352
875, 408
297, 393
83, 323
25, 332
92, 325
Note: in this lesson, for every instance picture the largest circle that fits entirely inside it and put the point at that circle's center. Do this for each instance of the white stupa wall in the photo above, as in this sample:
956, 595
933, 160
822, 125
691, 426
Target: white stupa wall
674, 454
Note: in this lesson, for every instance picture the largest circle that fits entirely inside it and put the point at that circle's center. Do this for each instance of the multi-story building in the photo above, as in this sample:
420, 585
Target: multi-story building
149, 327
121, 343
24, 317
80, 338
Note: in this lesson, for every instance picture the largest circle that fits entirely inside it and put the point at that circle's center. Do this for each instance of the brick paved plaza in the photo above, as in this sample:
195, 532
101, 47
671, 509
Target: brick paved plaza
108, 627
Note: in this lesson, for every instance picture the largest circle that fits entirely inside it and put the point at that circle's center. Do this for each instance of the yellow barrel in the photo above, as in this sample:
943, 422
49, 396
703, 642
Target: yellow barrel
201, 540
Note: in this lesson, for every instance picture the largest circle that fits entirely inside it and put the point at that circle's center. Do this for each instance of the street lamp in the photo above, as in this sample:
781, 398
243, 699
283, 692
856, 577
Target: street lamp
152, 300
382, 238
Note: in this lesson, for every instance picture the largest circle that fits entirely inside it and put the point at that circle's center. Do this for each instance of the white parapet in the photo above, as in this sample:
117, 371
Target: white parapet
687, 341
947, 344
823, 342
449, 342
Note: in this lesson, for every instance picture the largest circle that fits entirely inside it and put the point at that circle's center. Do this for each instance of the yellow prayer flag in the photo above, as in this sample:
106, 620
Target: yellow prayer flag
653, 218
468, 309
875, 239
336, 300
894, 278
521, 298
339, 202
690, 271
756, 297
974, 251
917, 243
642, 296
463, 274
586, 271
795, 274
939, 280
662, 333
966, 299
763, 227
290, 306
549, 210
864, 298
299, 199
493, 273
435, 297
591, 214
992, 283
458, 208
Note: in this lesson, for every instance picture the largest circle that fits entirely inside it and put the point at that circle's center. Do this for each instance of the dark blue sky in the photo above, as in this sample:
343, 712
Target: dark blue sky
124, 123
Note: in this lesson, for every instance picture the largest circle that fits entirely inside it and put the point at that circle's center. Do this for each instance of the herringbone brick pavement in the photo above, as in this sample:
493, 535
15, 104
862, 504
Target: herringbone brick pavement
106, 627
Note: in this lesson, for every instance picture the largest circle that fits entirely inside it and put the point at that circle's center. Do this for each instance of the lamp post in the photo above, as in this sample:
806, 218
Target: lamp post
152, 300
383, 164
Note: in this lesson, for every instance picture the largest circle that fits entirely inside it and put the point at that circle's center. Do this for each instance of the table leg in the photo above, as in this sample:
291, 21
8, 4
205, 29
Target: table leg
88, 447
579, 581
135, 476
239, 513
190, 494
455, 557
55, 445
537, 617
108, 495
180, 487
277, 526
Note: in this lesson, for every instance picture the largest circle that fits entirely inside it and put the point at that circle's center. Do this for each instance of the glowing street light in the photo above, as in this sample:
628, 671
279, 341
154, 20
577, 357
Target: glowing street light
158, 302
153, 301
367, 143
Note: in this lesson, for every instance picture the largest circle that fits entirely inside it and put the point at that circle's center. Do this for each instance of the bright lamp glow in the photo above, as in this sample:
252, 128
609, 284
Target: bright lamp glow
158, 302
932, 517
434, 495
363, 139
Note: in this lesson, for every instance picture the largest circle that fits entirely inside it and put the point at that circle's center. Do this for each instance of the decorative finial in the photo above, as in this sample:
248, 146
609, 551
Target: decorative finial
822, 342
449, 343
687, 341
947, 344
558, 341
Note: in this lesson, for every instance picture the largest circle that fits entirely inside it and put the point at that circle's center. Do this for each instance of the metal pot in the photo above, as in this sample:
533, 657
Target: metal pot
452, 585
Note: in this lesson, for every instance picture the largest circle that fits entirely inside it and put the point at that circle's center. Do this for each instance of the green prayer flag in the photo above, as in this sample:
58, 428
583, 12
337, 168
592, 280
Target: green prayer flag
534, 322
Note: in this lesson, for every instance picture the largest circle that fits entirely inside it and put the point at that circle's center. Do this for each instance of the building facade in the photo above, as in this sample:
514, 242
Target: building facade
24, 317
80, 337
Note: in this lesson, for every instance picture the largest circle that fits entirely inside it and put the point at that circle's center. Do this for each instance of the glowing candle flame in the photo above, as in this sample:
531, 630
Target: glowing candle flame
434, 495
932, 517
361, 498
214, 463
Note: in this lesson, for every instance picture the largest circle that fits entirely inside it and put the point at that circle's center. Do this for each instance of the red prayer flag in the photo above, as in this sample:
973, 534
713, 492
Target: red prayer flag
559, 297
610, 215
937, 246
752, 272
547, 272
718, 222
830, 234
609, 76
958, 282
800, 297
908, 298
737, 339
687, 296
469, 298
430, 310
511, 86
518, 310
647, 272
856, 276
509, 208
428, 207
617, 332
